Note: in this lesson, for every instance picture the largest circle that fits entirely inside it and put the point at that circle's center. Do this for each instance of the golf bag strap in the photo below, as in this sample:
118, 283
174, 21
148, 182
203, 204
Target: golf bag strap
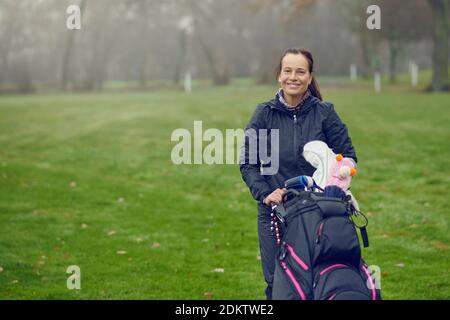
364, 236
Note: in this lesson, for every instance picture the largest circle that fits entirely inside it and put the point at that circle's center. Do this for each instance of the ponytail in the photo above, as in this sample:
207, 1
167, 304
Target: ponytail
314, 89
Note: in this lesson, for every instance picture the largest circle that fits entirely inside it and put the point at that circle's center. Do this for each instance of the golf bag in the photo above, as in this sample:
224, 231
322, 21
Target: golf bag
319, 257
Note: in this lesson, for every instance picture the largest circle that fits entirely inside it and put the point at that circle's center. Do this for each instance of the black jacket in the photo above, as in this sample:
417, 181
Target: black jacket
316, 120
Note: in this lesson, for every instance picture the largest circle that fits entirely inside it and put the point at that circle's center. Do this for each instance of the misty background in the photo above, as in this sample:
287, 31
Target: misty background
145, 44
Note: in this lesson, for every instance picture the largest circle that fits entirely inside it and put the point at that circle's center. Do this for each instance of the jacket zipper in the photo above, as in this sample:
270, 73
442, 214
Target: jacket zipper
295, 136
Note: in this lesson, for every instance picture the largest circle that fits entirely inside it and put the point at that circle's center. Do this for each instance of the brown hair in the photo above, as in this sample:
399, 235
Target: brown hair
313, 87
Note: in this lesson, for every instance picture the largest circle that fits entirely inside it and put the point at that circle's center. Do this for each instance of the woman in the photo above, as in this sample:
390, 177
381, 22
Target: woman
300, 115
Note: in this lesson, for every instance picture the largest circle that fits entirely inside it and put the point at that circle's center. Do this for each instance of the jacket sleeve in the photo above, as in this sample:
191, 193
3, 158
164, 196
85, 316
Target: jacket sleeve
249, 159
337, 135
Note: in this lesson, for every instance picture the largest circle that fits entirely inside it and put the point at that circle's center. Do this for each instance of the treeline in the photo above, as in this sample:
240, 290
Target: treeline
144, 41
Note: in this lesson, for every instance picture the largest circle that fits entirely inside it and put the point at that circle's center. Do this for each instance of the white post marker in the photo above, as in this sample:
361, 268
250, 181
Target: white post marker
377, 82
414, 74
353, 72
187, 82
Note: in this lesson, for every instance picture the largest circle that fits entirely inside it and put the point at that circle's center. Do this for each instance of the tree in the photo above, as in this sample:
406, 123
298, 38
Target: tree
400, 26
9, 27
441, 24
275, 22
213, 22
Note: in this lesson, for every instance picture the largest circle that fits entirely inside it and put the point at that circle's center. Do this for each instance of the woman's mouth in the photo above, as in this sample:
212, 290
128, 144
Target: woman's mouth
293, 85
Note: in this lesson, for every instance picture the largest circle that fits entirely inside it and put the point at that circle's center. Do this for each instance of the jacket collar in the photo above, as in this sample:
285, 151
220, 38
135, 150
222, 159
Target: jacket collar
308, 104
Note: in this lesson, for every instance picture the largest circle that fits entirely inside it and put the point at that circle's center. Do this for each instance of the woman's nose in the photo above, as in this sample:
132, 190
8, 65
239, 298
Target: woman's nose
292, 75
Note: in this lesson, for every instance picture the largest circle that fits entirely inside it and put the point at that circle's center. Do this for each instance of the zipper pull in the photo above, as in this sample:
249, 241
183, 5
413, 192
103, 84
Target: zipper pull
295, 118
283, 252
319, 233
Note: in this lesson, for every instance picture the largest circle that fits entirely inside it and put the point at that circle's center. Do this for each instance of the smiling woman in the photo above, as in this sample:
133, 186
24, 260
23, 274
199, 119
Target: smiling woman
300, 116
295, 74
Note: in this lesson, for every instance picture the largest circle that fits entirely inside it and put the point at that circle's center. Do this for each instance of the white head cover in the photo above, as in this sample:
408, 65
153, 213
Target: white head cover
321, 157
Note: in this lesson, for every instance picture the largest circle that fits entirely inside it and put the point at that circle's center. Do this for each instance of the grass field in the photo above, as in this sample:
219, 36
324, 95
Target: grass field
87, 180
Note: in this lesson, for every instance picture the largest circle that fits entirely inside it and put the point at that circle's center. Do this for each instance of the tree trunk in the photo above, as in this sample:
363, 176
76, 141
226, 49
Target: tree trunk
393, 54
365, 56
180, 64
5, 48
441, 11
217, 62
266, 66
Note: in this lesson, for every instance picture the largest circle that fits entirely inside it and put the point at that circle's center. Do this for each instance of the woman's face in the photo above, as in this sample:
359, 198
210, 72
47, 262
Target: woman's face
294, 76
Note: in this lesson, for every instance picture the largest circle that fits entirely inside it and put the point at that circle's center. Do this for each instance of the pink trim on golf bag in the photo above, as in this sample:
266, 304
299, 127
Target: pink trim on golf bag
296, 258
331, 267
294, 281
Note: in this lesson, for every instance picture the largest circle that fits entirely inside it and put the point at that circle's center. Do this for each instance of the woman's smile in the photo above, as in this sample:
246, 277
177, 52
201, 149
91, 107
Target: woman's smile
294, 85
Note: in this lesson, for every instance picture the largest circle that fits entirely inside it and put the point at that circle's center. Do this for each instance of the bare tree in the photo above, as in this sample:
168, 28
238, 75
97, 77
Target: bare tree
441, 33
399, 27
274, 24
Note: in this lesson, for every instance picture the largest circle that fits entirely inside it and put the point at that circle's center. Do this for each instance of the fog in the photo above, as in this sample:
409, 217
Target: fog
150, 43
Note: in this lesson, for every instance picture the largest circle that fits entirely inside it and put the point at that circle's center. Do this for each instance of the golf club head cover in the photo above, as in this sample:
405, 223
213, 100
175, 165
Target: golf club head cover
300, 182
341, 173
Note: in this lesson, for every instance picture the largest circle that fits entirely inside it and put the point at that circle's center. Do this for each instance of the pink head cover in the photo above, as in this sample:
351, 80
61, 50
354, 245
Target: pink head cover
341, 172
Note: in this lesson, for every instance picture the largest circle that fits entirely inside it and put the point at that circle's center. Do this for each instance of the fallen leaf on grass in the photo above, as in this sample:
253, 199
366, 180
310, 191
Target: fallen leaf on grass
440, 245
72, 184
209, 295
112, 232
156, 245
121, 252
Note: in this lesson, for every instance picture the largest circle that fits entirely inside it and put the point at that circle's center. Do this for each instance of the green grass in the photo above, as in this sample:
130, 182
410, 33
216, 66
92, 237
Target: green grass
84, 176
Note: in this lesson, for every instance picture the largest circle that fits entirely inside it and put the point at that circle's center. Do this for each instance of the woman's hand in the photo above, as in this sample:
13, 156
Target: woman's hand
276, 197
